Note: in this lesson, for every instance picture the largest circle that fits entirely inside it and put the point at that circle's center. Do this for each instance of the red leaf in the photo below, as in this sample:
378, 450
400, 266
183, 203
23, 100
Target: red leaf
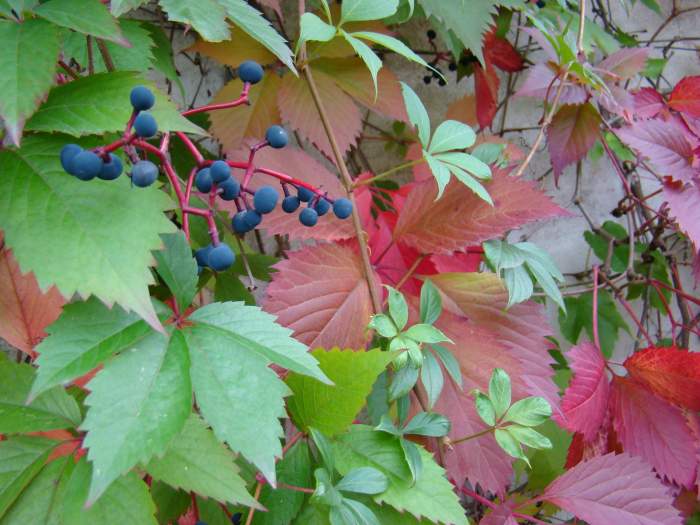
298, 109
572, 133
614, 490
671, 373
320, 292
649, 427
463, 110
540, 83
586, 399
501, 53
664, 143
625, 63
501, 515
685, 208
648, 103
25, 311
460, 218
486, 89
685, 96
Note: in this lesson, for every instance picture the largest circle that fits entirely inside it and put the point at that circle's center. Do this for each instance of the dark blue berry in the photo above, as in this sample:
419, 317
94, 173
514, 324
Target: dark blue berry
142, 98
111, 169
236, 518
144, 173
308, 217
540, 3
276, 136
305, 194
221, 257
203, 180
252, 218
342, 208
145, 125
202, 256
86, 165
250, 71
322, 207
290, 203
230, 189
265, 199
239, 224
200, 522
68, 153
219, 171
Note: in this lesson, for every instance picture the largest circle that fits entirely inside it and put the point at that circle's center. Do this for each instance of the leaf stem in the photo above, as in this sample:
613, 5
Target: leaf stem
388, 172
472, 436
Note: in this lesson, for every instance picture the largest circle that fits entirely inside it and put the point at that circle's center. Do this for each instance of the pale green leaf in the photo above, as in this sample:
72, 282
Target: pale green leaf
369, 57
391, 43
469, 181
127, 500
61, 230
402, 381
417, 114
430, 302
178, 268
428, 424
119, 7
100, 103
363, 480
359, 10
519, 285
137, 404
432, 378
484, 408
331, 409
451, 135
54, 409
426, 333
90, 17
27, 64
467, 162
383, 324
503, 255
398, 308
529, 437
440, 171
196, 462
324, 449
207, 17
488, 152
450, 363
413, 458
529, 412
509, 444
312, 28
500, 391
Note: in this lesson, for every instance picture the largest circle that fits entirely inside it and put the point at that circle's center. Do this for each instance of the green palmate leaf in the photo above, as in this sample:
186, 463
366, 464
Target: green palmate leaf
84, 336
431, 377
359, 10
41, 501
383, 325
363, 480
361, 514
127, 500
61, 231
469, 181
313, 28
484, 408
411, 453
428, 424
163, 60
426, 333
137, 404
398, 308
26, 70
178, 268
430, 302
450, 363
100, 103
324, 449
489, 152
195, 461
519, 285
530, 411
403, 381
440, 171
509, 444
369, 57
451, 135
53, 409
391, 43
284, 505
331, 409
90, 17
500, 391
171, 503
468, 163
430, 496
529, 437
21, 458
417, 114
207, 17
119, 7
254, 23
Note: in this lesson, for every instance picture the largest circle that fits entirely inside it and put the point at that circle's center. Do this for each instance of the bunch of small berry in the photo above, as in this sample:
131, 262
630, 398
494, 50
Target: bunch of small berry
214, 179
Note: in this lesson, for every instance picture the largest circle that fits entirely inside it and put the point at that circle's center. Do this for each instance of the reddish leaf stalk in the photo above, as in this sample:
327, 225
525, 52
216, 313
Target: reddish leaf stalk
596, 338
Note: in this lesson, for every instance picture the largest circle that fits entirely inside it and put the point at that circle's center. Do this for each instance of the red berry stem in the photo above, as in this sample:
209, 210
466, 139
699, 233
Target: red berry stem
243, 99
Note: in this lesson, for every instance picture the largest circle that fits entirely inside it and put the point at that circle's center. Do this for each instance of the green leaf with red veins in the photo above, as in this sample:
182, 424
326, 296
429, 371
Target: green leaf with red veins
26, 70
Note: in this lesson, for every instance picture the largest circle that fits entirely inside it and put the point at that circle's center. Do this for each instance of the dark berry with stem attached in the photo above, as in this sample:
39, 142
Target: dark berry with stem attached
342, 208
203, 180
219, 171
236, 518
452, 66
308, 217
68, 153
145, 125
221, 257
252, 218
305, 194
202, 256
442, 82
239, 224
230, 189
250, 71
277, 137
142, 98
431, 34
427, 79
541, 3
322, 207
265, 199
111, 169
86, 165
290, 203
144, 173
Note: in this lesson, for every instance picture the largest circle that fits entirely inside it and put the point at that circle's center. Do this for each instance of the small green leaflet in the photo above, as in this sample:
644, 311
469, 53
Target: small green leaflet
171, 503
137, 404
119, 7
177, 268
430, 302
54, 409
500, 391
100, 103
90, 17
312, 28
332, 409
26, 70
207, 17
195, 461
360, 10
451, 135
417, 114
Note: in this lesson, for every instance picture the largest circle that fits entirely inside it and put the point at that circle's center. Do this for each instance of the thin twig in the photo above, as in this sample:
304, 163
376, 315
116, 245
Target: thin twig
106, 57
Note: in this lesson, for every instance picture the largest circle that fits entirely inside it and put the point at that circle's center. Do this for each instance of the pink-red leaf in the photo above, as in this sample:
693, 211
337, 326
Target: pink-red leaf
614, 490
541, 83
320, 292
625, 63
501, 515
684, 201
25, 311
649, 427
501, 53
685, 97
460, 218
648, 103
486, 89
671, 373
572, 133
